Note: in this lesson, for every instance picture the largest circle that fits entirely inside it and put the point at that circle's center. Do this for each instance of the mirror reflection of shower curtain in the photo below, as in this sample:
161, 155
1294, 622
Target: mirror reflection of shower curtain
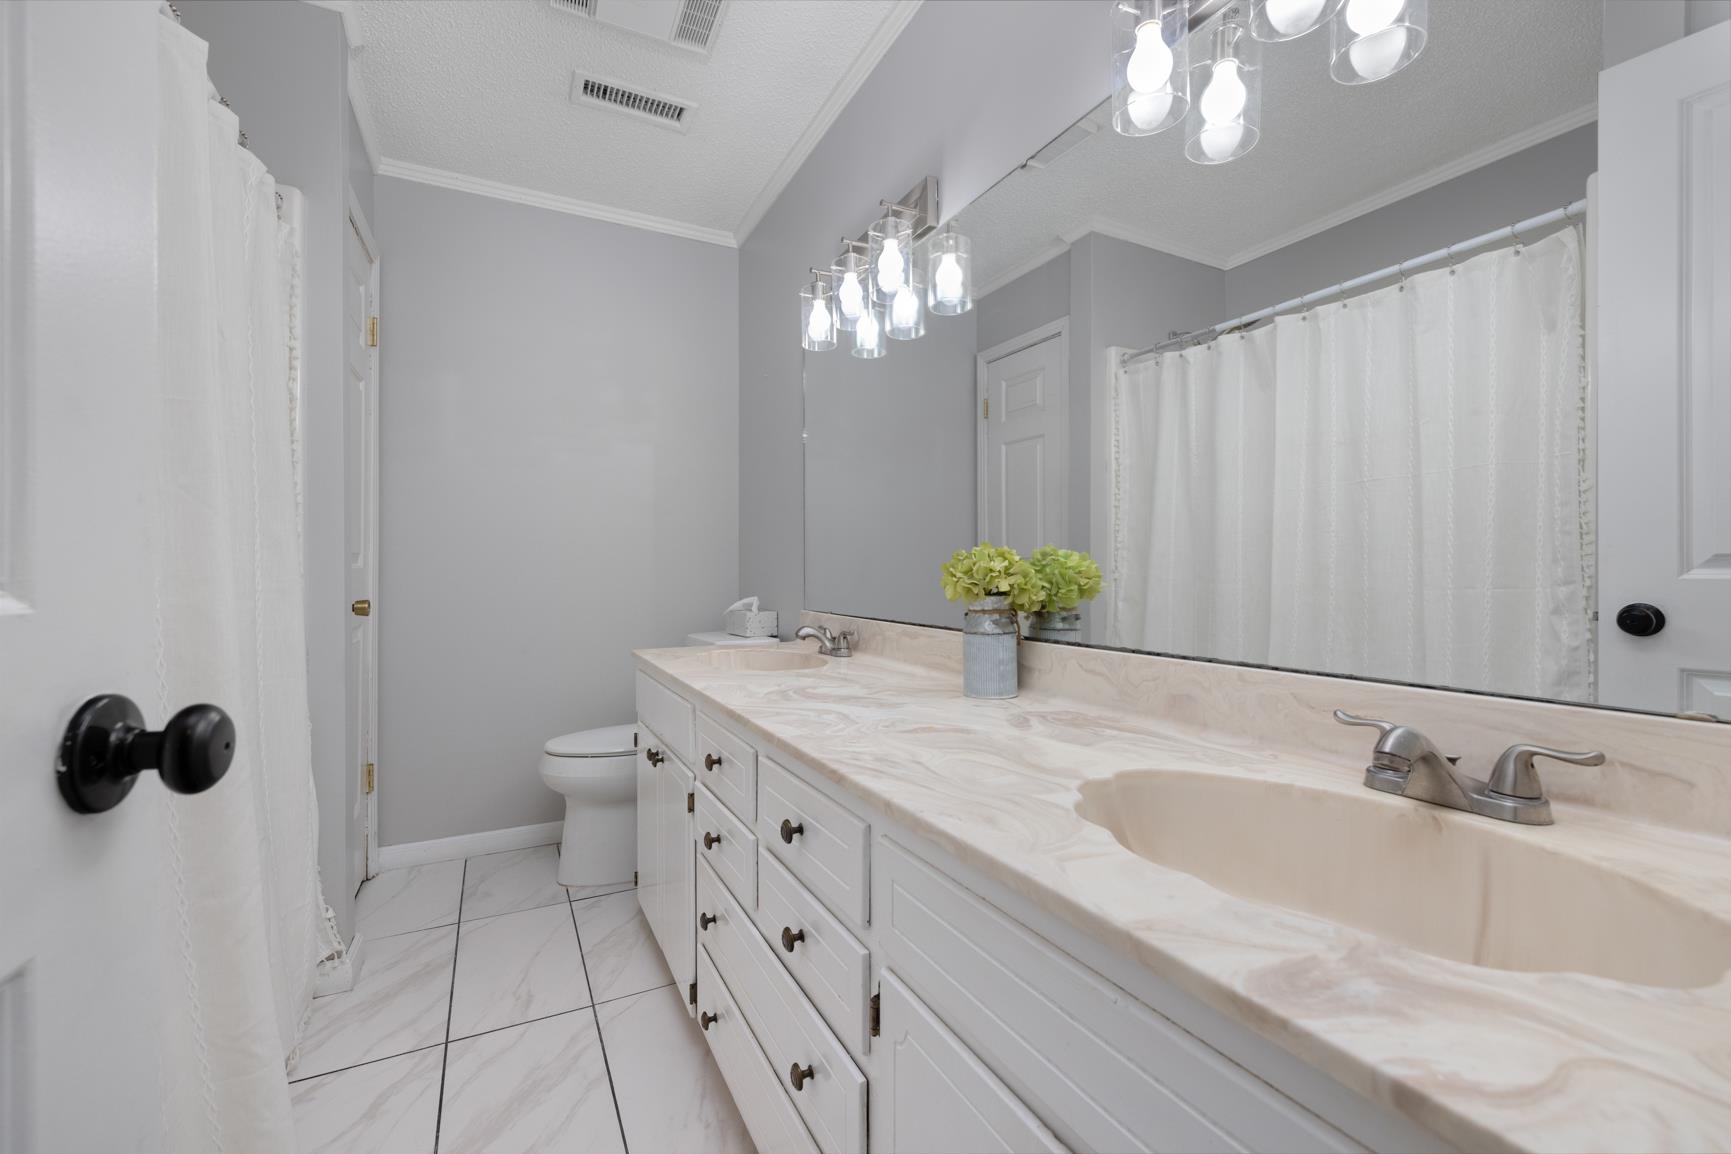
1395, 486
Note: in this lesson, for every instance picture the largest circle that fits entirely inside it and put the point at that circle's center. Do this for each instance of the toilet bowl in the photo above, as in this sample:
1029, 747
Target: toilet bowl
595, 771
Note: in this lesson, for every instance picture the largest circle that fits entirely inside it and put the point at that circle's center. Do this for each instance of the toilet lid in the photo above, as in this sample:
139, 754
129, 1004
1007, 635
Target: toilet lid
608, 741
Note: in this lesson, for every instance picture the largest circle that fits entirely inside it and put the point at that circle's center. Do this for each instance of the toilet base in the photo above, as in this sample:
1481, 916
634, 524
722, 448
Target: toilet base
600, 843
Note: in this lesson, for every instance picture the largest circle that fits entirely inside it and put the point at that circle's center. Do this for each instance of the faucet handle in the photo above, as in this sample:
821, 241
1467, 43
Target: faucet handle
1514, 775
1382, 727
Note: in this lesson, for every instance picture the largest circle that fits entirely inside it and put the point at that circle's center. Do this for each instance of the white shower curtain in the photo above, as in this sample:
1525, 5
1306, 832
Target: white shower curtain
1391, 486
248, 923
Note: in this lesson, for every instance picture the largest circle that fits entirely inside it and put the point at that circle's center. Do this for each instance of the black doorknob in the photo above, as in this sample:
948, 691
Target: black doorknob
1640, 619
106, 747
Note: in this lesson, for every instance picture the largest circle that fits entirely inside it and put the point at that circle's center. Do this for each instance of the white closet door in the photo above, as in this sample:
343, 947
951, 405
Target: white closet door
1024, 409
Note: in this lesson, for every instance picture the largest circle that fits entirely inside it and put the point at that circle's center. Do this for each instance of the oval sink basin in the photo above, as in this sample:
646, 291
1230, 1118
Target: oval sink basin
764, 660
1452, 885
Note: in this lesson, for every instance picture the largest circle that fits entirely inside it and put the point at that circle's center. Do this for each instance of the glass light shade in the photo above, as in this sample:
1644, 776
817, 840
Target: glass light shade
817, 317
950, 274
1370, 40
1226, 85
890, 253
905, 309
852, 289
868, 334
1272, 21
1150, 65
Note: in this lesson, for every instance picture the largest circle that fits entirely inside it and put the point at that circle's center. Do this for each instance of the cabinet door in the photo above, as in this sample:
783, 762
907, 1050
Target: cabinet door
933, 1094
649, 823
679, 869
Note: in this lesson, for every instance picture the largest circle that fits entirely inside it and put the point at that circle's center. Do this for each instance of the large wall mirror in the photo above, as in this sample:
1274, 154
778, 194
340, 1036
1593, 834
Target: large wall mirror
1290, 430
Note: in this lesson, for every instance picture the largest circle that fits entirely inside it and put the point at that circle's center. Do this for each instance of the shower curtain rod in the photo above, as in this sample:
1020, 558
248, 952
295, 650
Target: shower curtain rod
1453, 251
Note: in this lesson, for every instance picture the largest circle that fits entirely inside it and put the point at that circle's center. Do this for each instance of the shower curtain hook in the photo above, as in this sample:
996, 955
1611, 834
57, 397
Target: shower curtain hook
1450, 253
1515, 231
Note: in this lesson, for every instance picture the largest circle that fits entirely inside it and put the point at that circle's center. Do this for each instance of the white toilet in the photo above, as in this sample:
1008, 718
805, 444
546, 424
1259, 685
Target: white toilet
595, 770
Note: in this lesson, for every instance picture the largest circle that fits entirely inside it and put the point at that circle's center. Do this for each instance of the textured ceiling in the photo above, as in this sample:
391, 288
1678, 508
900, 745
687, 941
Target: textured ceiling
481, 88
1490, 70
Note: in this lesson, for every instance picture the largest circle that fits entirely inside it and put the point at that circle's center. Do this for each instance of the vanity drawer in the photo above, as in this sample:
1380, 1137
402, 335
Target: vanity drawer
832, 1099
756, 1088
727, 764
829, 963
728, 846
1098, 1066
667, 713
817, 839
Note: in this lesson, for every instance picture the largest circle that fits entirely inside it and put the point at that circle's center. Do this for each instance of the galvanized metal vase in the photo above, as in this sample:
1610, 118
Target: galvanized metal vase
1055, 625
989, 648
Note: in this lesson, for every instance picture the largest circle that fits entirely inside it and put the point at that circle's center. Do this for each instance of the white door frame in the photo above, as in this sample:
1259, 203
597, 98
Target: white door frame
359, 219
1061, 329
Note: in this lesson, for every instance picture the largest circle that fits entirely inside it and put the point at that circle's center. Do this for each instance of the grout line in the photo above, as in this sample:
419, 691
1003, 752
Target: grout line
554, 904
445, 1058
368, 1062
542, 1018
609, 894
401, 933
600, 1039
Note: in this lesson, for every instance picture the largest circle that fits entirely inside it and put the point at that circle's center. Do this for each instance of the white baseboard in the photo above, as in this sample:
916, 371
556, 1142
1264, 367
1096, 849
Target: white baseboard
414, 853
339, 975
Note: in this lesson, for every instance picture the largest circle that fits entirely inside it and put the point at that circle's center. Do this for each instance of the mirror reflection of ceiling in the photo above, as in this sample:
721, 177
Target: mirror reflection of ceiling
1495, 77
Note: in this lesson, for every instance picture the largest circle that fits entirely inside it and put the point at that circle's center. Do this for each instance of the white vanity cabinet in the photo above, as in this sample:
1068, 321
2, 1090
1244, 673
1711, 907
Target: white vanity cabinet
666, 853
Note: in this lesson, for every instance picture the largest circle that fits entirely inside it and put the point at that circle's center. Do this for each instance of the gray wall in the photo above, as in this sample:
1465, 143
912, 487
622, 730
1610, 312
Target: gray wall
1548, 175
1636, 26
559, 416
283, 66
967, 92
1037, 297
360, 168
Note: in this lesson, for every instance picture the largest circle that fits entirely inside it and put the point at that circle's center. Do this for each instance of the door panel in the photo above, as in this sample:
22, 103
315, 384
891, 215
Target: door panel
360, 517
1026, 422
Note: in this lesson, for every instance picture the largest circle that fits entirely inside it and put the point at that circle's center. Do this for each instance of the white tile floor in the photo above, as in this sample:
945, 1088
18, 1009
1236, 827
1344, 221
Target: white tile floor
498, 1011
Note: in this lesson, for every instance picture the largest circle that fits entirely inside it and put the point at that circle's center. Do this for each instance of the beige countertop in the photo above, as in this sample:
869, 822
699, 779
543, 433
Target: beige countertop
1485, 1058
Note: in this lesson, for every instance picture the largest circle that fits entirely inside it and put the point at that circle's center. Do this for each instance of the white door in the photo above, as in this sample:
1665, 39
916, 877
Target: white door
679, 842
933, 1093
1664, 336
81, 897
361, 498
1024, 423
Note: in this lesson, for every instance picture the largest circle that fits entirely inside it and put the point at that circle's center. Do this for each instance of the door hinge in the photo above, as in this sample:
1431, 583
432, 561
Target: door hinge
633, 877
691, 803
876, 1011
372, 332
692, 995
986, 409
369, 777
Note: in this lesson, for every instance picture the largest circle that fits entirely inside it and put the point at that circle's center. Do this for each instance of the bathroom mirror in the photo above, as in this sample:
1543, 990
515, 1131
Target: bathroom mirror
1506, 468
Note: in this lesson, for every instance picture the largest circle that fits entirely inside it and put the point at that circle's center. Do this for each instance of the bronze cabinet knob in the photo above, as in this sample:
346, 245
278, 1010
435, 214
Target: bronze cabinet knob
705, 1019
711, 840
710, 761
704, 921
791, 937
799, 1076
655, 756
789, 830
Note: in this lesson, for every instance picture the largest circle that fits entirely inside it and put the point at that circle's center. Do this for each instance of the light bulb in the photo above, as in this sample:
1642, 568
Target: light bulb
1290, 17
866, 335
947, 279
1150, 64
1376, 55
850, 297
1220, 141
905, 308
890, 266
1223, 99
817, 325
1147, 109
1367, 16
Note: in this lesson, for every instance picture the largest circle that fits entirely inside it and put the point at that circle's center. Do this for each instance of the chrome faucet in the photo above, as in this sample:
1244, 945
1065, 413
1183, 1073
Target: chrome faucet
1405, 762
829, 644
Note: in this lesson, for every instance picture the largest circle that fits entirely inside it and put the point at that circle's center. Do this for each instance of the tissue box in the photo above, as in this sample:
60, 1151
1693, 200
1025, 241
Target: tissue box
750, 623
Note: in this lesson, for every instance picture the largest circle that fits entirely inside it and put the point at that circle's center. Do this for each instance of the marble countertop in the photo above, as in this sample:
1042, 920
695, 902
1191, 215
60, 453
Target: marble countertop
1487, 1059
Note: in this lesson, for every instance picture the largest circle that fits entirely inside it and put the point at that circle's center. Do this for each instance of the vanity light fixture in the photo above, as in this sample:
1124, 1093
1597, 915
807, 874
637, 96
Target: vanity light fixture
852, 285
1150, 69
1272, 21
950, 274
817, 316
1223, 121
1373, 39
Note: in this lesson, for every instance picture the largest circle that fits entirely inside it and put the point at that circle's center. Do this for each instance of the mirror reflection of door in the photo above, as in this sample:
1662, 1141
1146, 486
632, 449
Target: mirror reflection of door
1024, 420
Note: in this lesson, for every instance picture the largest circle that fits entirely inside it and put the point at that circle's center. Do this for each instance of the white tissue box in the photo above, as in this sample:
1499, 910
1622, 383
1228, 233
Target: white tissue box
750, 623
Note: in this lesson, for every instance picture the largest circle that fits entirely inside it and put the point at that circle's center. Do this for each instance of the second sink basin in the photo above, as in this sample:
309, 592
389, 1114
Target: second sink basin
1451, 885
765, 660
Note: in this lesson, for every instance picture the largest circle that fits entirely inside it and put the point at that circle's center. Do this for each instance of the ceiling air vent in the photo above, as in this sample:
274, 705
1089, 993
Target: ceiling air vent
576, 7
697, 21
688, 24
663, 110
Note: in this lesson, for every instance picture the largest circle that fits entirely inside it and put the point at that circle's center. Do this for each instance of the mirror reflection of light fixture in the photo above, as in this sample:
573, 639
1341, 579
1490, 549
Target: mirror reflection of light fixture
817, 317
1373, 39
1272, 21
950, 273
1223, 121
890, 250
852, 286
905, 309
868, 333
1150, 69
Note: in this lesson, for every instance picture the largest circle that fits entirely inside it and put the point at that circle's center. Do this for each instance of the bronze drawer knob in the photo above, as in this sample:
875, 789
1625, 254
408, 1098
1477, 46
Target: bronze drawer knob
799, 1076
791, 937
706, 1018
654, 756
789, 830
711, 840
710, 761
704, 921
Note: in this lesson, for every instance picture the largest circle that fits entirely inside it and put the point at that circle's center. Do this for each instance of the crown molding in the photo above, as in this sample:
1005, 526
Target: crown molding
901, 11
1537, 134
1021, 269
1145, 240
458, 182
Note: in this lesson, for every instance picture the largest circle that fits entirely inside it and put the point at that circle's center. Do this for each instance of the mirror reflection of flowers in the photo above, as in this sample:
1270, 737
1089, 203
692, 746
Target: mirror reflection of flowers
1069, 577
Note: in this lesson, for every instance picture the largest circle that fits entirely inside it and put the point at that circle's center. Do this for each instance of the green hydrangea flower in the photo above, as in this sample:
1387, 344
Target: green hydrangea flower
988, 570
1069, 577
